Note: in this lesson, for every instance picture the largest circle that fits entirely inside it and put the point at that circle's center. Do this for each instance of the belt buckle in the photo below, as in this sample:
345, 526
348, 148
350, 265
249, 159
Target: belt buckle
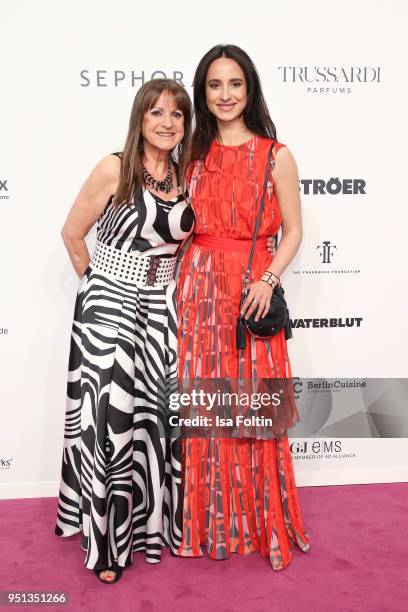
152, 272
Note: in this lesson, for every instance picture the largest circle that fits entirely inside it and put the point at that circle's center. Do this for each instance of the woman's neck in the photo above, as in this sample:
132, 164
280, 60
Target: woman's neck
156, 161
232, 133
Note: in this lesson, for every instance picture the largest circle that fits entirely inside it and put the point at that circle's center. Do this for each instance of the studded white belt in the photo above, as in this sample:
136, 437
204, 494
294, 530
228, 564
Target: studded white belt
139, 269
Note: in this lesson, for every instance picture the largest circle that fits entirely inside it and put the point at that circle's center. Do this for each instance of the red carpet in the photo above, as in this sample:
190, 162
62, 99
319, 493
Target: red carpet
358, 561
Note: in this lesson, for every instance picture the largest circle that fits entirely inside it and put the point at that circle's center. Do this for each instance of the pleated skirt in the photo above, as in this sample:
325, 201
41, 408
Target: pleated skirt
239, 494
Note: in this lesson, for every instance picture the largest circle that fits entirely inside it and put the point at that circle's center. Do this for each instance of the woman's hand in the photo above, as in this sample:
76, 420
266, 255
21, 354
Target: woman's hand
272, 245
258, 298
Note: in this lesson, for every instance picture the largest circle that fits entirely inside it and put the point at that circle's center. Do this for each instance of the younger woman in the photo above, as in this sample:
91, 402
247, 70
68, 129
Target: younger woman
239, 493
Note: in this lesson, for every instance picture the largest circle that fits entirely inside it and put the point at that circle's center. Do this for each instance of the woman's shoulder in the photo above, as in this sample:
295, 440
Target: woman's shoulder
263, 143
108, 168
282, 155
104, 179
283, 162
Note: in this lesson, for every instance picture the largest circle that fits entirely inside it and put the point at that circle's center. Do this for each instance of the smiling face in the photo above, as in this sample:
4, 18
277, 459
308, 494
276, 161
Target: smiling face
163, 123
226, 89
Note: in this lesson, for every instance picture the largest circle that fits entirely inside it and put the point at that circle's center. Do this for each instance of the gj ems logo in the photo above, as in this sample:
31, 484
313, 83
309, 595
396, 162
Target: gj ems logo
3, 190
125, 78
334, 186
330, 79
326, 251
316, 447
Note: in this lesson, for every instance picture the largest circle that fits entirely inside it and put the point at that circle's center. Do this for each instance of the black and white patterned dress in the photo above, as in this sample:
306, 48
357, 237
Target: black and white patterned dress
120, 481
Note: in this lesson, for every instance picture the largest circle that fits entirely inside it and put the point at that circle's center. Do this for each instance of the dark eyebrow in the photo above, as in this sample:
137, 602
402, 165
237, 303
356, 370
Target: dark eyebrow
219, 80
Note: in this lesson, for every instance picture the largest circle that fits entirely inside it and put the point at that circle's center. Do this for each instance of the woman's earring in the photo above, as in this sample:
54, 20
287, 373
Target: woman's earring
179, 150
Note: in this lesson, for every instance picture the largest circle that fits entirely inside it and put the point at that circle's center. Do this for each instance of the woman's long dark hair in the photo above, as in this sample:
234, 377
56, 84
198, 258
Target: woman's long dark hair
256, 114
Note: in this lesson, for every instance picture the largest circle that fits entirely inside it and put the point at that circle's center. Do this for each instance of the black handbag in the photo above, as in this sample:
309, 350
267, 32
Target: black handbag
277, 317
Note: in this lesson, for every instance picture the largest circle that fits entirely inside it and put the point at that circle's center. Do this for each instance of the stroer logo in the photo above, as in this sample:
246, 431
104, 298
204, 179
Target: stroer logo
3, 190
330, 79
334, 186
326, 322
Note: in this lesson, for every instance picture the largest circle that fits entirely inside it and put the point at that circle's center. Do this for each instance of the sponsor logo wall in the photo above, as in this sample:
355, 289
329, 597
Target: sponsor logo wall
65, 106
329, 79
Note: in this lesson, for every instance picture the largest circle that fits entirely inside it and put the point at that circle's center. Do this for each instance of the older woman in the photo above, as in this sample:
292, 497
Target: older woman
120, 476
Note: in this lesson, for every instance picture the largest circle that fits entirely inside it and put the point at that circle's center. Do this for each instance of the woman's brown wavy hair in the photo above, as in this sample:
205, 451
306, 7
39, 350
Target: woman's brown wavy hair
131, 168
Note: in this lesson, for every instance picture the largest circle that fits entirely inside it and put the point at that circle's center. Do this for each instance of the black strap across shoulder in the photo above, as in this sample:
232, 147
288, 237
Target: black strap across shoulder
258, 219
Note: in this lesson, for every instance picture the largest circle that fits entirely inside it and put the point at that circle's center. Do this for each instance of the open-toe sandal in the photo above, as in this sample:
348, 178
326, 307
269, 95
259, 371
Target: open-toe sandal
113, 568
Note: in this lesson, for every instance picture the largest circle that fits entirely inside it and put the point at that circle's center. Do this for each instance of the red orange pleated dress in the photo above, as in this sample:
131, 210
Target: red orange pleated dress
239, 493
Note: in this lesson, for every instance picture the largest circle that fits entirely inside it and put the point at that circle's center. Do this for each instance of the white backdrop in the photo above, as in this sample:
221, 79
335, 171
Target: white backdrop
62, 111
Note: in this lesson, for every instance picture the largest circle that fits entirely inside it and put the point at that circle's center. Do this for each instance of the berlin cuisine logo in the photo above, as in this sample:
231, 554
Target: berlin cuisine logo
332, 385
326, 80
327, 254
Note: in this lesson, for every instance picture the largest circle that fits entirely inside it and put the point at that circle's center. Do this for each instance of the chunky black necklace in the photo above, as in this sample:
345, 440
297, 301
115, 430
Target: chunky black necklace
166, 185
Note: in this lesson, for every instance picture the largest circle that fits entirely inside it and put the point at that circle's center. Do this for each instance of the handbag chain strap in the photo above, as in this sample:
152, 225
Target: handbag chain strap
258, 219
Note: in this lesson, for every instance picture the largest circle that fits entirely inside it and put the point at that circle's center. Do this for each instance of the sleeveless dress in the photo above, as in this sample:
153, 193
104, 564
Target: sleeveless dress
239, 493
120, 481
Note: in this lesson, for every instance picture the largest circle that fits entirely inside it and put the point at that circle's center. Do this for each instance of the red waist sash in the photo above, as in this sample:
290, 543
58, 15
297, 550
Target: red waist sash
229, 244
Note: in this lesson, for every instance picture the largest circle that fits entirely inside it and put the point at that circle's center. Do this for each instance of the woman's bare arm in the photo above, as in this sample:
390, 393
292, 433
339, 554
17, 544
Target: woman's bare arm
87, 208
286, 185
